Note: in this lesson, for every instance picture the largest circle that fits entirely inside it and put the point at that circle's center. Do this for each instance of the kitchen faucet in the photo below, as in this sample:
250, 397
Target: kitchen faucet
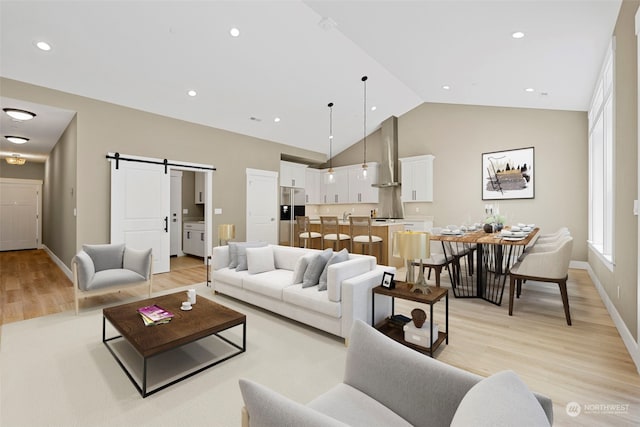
345, 215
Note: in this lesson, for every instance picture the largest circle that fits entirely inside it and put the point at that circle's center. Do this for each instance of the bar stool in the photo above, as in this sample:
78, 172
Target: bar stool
330, 229
304, 230
360, 230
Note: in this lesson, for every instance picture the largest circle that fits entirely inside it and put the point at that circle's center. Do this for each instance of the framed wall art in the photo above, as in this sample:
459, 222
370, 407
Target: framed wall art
508, 174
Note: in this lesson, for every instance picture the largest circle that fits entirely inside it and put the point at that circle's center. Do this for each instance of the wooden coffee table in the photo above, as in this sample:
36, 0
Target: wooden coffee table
207, 318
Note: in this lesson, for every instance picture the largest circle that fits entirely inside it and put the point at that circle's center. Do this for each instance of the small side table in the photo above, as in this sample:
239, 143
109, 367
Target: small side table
402, 291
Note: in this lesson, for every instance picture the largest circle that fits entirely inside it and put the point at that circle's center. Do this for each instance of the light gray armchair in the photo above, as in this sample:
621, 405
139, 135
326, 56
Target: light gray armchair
100, 269
388, 384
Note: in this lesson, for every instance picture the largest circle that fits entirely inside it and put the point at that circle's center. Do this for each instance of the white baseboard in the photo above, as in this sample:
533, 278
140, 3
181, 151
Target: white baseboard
632, 346
66, 270
579, 265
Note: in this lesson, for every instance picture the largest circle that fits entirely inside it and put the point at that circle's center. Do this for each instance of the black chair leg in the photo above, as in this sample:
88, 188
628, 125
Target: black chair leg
565, 300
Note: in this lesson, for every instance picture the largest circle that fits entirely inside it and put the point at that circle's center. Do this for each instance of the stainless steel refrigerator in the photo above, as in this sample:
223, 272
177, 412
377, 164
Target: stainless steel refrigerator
291, 205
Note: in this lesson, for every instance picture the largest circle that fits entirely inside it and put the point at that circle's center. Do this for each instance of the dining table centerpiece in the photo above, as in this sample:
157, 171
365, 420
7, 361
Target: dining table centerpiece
494, 223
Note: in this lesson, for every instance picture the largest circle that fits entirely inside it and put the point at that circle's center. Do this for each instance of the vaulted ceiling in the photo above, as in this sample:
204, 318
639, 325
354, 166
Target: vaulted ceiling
292, 58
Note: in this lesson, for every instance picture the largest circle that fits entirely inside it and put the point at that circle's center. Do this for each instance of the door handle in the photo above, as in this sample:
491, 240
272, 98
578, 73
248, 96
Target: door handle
166, 224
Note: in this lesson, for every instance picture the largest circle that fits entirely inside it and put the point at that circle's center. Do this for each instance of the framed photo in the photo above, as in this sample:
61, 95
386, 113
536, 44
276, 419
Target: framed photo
508, 174
387, 281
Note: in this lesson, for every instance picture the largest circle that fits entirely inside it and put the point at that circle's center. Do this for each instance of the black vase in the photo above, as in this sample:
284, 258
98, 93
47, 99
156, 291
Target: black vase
488, 228
499, 227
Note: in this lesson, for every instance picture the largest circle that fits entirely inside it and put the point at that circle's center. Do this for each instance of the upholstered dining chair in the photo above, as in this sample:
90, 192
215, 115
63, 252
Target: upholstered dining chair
330, 230
547, 266
304, 231
360, 231
437, 261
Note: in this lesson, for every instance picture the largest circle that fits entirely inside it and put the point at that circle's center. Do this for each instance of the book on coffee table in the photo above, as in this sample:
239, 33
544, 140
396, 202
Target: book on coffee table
154, 315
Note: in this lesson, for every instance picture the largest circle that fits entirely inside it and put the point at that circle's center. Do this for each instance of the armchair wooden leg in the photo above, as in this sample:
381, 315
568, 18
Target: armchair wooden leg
512, 288
565, 299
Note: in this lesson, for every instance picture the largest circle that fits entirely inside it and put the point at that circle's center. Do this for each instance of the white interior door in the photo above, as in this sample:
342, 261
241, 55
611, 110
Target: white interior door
262, 206
175, 220
140, 194
20, 214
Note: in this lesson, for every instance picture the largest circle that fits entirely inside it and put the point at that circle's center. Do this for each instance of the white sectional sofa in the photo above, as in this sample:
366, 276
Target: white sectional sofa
347, 297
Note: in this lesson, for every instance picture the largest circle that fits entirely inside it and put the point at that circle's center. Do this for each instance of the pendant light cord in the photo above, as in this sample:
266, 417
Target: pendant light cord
330, 105
364, 80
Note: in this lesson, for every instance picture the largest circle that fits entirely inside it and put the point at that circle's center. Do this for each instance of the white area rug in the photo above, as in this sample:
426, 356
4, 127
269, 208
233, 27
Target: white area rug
55, 371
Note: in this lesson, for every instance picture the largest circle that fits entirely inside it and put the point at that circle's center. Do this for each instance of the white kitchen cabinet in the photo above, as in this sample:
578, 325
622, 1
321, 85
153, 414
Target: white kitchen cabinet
292, 174
361, 191
338, 191
193, 239
313, 186
199, 193
417, 178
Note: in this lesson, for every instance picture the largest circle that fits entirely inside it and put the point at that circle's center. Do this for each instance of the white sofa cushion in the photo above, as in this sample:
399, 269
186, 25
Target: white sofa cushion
260, 260
286, 257
229, 276
311, 299
270, 283
500, 400
354, 408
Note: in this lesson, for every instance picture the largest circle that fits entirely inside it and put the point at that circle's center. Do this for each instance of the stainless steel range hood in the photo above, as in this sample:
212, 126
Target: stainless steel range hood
390, 203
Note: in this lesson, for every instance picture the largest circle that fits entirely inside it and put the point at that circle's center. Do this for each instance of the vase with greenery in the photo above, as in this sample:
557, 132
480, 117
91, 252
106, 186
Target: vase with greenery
496, 221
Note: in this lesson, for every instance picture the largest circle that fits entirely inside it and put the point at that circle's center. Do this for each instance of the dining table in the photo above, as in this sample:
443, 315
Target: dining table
480, 261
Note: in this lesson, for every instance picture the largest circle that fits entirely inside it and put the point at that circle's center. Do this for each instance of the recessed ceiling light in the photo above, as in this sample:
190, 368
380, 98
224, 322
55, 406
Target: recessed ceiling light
18, 114
374, 108
234, 32
17, 139
277, 119
517, 35
192, 93
446, 87
43, 46
529, 89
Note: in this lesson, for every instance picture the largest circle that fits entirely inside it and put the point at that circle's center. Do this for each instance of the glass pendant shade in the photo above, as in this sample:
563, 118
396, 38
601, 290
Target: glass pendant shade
329, 177
363, 173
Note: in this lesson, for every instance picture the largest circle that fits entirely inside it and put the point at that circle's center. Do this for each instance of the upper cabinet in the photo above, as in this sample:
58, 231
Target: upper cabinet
338, 190
417, 178
292, 174
313, 186
199, 186
361, 191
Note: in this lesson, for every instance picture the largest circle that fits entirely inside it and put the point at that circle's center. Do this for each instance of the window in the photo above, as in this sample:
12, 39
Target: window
601, 129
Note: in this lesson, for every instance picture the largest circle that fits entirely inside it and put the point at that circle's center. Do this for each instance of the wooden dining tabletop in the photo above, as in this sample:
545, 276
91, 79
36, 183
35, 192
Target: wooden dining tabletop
481, 237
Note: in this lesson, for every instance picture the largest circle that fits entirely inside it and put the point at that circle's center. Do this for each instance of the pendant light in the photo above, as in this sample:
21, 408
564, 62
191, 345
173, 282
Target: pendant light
329, 177
362, 173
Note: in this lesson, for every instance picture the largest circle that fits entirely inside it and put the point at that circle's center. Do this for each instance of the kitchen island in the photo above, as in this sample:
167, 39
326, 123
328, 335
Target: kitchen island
382, 229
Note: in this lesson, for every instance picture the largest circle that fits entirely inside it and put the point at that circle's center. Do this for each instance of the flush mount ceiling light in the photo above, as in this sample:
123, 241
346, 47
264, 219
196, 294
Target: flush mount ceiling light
16, 139
43, 46
18, 114
329, 178
15, 159
517, 35
362, 173
234, 32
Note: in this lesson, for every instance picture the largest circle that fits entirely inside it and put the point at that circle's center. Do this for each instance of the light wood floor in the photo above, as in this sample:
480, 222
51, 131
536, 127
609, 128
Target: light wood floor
586, 363
32, 285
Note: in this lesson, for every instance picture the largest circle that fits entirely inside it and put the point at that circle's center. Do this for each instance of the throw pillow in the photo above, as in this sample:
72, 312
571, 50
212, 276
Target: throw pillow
500, 400
312, 275
260, 260
242, 253
106, 256
233, 254
300, 268
336, 258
